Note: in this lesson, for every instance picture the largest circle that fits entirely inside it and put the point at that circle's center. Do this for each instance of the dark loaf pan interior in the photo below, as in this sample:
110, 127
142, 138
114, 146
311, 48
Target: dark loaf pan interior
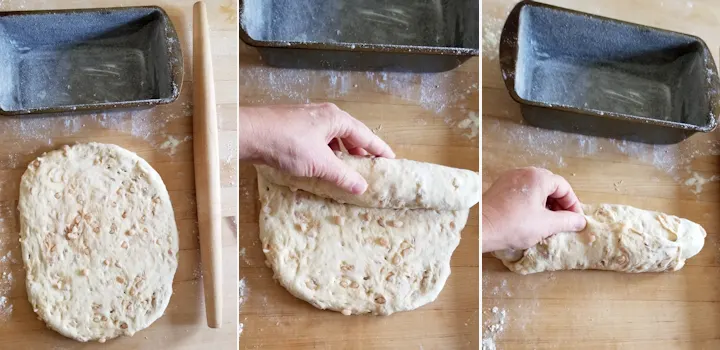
55, 61
428, 23
591, 63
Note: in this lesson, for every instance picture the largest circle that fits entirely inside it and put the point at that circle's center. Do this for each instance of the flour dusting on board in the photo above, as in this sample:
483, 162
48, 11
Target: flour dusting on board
433, 92
6, 277
492, 23
471, 124
697, 181
172, 143
492, 27
244, 291
9, 249
229, 161
500, 314
25, 137
493, 325
232, 151
244, 257
438, 90
525, 145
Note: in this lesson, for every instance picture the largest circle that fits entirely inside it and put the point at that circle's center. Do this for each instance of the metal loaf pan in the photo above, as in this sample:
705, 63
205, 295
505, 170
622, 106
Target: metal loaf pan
89, 59
592, 75
390, 35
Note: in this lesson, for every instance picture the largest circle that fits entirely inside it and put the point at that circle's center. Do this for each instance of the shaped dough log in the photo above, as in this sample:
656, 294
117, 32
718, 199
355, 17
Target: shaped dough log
617, 238
393, 183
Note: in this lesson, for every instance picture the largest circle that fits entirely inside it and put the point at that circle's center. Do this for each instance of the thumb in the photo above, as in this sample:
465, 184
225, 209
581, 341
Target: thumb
334, 170
565, 221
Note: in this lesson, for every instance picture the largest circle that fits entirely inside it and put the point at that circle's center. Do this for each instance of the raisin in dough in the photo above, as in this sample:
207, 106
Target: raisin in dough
99, 241
617, 238
354, 259
393, 183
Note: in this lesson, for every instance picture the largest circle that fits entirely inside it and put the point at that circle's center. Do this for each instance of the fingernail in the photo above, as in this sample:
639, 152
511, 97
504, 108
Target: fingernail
359, 188
580, 223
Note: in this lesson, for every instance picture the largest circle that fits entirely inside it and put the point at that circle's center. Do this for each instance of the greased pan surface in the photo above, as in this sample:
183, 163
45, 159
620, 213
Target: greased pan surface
581, 73
88, 59
392, 35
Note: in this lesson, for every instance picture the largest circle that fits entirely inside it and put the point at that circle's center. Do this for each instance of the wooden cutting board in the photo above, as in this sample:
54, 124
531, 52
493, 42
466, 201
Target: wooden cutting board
594, 309
423, 117
151, 134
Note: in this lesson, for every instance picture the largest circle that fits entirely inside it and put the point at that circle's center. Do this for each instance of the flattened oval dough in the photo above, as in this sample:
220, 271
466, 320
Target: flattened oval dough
617, 238
393, 183
99, 241
356, 260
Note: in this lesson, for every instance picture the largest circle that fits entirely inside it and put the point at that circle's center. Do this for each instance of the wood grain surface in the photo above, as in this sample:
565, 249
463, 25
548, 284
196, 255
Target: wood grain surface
593, 309
147, 133
428, 117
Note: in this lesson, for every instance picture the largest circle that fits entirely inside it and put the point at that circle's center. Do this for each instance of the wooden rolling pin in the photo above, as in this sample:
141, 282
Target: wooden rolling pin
207, 166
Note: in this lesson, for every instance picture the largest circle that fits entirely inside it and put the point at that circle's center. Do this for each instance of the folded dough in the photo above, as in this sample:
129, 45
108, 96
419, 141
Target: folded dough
356, 260
617, 238
393, 183
382, 252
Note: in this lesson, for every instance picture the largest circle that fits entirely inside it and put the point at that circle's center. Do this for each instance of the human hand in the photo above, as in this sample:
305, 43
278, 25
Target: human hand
527, 205
300, 140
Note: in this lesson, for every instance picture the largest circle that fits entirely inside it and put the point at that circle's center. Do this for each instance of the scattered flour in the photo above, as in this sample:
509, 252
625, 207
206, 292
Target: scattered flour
229, 159
496, 291
232, 151
696, 182
433, 92
275, 85
493, 326
439, 90
6, 278
245, 189
243, 256
505, 313
14, 5
244, 291
525, 145
492, 22
25, 136
472, 124
171, 144
492, 28
197, 273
